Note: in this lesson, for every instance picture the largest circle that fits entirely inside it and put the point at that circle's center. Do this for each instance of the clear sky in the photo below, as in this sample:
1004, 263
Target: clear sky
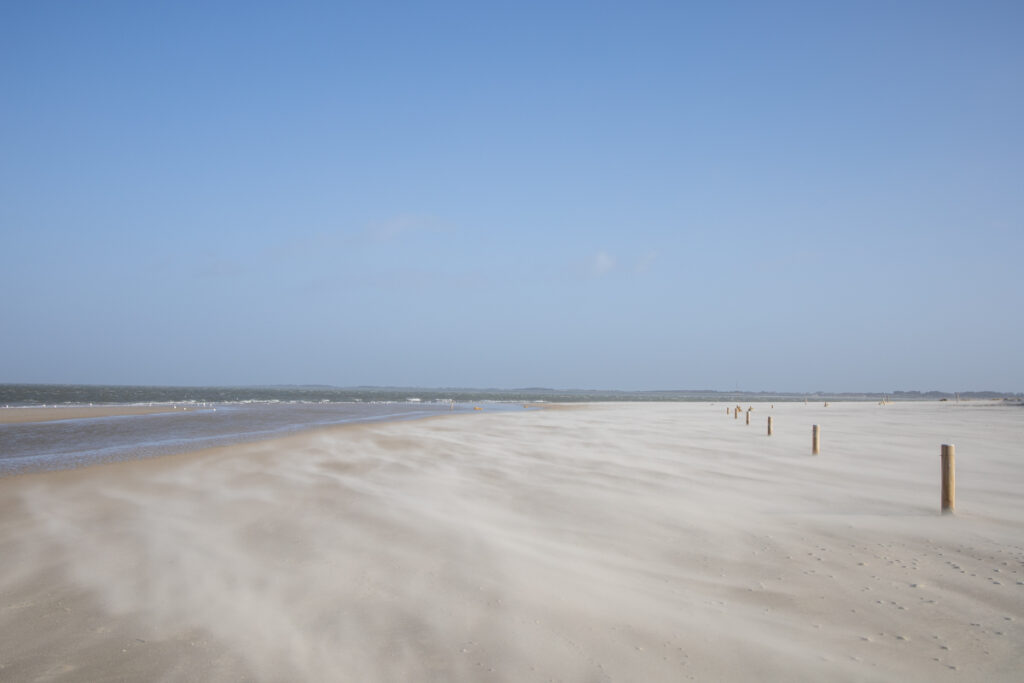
765, 196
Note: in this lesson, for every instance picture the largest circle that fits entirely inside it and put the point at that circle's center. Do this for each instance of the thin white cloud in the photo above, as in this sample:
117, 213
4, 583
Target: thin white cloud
602, 264
403, 225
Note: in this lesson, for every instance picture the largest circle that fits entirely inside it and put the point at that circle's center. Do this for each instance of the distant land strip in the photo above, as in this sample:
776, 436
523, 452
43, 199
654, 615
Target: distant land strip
85, 394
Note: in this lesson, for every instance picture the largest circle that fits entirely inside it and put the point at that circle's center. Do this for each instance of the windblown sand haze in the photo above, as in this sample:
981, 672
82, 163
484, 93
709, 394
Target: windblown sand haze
611, 542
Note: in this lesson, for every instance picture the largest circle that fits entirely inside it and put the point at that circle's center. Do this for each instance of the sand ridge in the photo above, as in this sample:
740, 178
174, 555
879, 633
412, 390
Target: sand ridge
656, 542
21, 414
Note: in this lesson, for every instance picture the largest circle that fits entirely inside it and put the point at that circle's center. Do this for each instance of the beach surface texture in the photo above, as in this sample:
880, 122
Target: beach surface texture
613, 542
50, 414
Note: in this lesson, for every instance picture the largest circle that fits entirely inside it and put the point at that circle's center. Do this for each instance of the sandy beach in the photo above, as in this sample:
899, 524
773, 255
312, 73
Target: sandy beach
611, 542
51, 413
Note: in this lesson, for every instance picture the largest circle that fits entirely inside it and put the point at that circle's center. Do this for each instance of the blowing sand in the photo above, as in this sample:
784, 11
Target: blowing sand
629, 542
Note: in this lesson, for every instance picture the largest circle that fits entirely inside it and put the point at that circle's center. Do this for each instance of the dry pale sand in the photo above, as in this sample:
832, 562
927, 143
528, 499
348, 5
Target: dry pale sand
53, 413
637, 542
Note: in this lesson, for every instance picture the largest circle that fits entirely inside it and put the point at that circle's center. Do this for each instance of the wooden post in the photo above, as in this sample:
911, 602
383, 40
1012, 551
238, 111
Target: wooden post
748, 417
815, 440
769, 425
948, 479
736, 413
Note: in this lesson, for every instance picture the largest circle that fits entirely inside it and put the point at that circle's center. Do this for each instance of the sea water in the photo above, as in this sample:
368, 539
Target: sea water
60, 444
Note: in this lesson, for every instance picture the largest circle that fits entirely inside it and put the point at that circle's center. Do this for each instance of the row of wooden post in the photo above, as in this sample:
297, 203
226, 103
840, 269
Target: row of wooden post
948, 461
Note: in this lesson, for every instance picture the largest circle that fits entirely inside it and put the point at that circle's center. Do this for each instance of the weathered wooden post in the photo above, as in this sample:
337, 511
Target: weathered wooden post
748, 417
736, 413
769, 425
948, 479
815, 440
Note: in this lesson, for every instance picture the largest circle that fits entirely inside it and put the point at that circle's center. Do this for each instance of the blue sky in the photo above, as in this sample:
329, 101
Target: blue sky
764, 196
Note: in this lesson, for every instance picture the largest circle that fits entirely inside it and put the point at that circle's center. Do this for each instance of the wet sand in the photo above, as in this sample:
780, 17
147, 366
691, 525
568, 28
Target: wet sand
49, 414
625, 542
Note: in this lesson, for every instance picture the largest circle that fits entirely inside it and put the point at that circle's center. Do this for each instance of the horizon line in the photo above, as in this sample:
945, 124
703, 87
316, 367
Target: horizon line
392, 387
